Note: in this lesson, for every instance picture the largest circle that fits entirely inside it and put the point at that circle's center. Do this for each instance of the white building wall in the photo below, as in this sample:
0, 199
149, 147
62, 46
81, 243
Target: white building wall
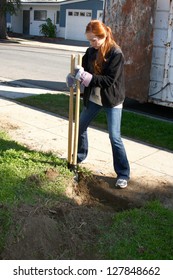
161, 85
17, 21
61, 32
34, 25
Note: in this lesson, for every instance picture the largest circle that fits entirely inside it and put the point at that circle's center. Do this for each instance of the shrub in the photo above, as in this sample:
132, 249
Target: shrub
48, 29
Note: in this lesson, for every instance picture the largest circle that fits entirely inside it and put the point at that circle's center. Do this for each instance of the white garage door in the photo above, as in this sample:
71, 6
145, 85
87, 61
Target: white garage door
76, 21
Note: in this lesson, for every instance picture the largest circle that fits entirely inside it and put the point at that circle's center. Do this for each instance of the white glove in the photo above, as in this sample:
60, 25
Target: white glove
83, 76
78, 71
70, 81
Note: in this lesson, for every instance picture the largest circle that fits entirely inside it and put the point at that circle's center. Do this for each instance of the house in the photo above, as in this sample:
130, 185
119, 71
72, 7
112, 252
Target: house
70, 17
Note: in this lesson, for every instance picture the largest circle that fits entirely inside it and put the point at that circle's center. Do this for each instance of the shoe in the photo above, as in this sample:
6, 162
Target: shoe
121, 183
83, 161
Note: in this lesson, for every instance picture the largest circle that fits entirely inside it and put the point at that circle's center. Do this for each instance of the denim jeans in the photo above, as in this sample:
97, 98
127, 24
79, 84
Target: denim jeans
120, 161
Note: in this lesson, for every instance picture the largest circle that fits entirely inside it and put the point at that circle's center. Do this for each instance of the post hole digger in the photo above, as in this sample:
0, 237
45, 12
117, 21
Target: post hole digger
73, 130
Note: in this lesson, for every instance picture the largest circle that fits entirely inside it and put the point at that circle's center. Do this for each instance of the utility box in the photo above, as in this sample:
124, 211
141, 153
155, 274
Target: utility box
132, 23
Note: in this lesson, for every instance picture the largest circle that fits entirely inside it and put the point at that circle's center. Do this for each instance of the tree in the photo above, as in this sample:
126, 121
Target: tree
9, 6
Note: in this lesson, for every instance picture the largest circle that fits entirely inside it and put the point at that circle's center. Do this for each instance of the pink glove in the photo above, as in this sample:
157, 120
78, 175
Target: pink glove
83, 76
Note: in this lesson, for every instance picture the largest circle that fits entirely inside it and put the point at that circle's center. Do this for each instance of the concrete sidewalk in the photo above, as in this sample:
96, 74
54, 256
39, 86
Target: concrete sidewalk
47, 132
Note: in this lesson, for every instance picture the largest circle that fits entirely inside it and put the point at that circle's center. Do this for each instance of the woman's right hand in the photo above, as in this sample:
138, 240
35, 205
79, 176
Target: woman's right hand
70, 81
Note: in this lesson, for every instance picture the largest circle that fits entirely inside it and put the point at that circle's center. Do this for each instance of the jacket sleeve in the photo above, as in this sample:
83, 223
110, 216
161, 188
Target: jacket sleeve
87, 60
112, 71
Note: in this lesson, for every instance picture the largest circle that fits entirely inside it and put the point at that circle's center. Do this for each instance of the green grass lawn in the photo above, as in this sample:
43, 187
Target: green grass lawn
138, 127
23, 179
139, 234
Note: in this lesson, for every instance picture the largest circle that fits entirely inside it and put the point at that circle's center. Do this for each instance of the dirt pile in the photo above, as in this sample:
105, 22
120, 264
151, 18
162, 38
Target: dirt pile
67, 231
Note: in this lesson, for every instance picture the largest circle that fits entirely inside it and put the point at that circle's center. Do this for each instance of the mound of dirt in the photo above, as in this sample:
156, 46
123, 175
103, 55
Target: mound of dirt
67, 231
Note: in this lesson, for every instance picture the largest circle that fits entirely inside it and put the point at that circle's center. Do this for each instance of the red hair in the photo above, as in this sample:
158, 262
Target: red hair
102, 31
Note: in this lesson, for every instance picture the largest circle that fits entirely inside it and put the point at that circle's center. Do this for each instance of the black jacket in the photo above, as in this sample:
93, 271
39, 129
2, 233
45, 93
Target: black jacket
111, 81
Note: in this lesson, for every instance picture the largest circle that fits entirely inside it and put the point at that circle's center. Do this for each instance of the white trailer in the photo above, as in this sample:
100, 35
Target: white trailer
161, 76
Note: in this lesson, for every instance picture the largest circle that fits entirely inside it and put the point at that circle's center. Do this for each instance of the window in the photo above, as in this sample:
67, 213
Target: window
76, 14
57, 17
82, 14
100, 14
70, 13
40, 15
88, 14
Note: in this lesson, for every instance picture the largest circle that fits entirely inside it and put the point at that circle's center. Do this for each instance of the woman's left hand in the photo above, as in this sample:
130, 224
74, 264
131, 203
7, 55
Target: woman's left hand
83, 76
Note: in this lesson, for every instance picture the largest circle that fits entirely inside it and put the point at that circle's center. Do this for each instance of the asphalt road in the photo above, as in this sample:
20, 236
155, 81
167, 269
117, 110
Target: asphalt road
47, 68
36, 66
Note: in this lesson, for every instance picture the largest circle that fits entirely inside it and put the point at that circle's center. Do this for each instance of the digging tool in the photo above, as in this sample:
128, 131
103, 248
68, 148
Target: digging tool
73, 142
70, 126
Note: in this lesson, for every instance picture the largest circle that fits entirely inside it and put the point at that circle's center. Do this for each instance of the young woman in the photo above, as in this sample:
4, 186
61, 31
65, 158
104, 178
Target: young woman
103, 79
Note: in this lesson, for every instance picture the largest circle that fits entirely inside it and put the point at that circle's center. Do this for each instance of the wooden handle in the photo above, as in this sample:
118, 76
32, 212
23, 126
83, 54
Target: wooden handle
77, 111
70, 127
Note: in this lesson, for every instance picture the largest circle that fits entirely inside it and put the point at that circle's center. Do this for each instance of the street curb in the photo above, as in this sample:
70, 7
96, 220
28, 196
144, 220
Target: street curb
36, 44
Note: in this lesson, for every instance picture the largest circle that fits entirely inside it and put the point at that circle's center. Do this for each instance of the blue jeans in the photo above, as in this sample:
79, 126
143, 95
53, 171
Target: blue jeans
120, 161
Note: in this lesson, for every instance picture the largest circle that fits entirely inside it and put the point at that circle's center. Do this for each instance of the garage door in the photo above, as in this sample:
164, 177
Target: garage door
76, 21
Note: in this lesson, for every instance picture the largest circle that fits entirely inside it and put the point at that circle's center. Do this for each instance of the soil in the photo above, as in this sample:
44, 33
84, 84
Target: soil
62, 232
70, 229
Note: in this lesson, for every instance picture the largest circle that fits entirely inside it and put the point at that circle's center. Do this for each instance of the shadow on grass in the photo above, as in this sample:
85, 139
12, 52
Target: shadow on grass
9, 144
